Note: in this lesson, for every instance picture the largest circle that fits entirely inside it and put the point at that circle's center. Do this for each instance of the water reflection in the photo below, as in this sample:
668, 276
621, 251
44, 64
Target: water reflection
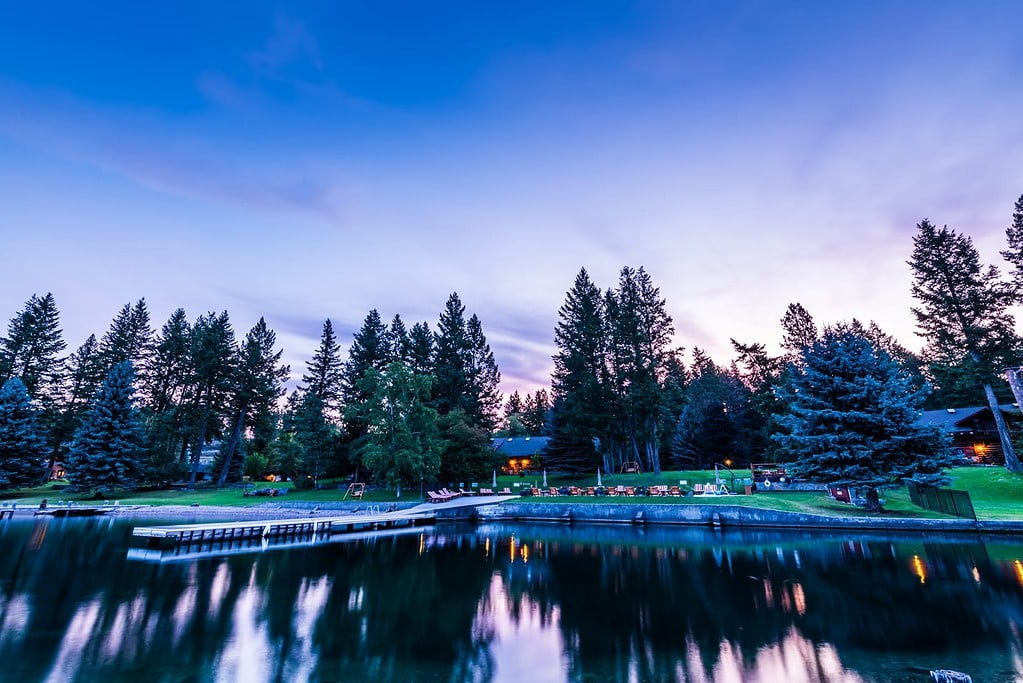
511, 603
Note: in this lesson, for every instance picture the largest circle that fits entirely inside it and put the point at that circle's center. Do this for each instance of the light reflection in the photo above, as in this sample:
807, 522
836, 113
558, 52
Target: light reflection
1018, 567
14, 618
73, 644
919, 568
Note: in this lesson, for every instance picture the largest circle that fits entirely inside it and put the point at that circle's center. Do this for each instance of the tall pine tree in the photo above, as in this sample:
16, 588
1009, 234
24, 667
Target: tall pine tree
31, 350
258, 383
22, 444
108, 447
323, 372
963, 314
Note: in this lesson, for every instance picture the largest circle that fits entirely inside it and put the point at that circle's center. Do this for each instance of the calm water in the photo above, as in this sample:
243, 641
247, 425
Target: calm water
509, 603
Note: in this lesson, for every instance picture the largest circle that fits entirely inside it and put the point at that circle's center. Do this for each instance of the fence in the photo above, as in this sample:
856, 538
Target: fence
948, 501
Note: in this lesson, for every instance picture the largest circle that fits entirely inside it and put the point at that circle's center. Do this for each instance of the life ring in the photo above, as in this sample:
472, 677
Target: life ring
767, 483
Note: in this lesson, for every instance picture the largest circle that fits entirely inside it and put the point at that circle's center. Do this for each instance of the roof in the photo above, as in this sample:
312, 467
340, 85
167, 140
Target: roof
519, 446
961, 419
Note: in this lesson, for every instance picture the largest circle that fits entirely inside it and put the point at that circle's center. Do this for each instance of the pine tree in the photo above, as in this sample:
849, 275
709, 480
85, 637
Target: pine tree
107, 449
579, 383
513, 406
164, 396
799, 331
449, 366
568, 450
22, 445
853, 419
370, 350
85, 374
323, 376
716, 422
130, 337
639, 333
31, 350
421, 349
1014, 237
963, 314
258, 383
211, 369
397, 341
536, 412
482, 398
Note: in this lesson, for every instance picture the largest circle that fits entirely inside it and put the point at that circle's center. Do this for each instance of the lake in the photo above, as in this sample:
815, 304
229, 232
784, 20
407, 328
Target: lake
509, 603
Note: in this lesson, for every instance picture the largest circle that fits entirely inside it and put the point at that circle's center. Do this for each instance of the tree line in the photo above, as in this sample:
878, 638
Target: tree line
139, 406
621, 391
408, 405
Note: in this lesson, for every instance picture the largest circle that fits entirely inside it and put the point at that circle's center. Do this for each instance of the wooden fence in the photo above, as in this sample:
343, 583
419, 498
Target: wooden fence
948, 501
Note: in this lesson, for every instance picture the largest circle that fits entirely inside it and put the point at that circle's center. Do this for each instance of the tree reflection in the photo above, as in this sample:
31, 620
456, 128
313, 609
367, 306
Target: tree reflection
500, 603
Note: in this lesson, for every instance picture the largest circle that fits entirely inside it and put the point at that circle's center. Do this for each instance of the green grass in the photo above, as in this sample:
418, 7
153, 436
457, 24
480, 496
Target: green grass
996, 494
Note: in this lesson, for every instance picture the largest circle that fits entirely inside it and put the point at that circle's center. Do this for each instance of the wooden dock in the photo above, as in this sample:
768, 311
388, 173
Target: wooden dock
178, 534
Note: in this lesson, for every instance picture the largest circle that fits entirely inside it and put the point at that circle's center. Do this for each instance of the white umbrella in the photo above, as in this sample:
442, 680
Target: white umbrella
598, 477
545, 478
495, 479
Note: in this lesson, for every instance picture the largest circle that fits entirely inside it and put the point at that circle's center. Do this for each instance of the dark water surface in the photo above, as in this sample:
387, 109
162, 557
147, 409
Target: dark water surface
518, 603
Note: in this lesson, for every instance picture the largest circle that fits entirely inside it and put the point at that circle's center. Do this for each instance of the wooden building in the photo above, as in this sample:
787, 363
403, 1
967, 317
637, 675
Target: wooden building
973, 432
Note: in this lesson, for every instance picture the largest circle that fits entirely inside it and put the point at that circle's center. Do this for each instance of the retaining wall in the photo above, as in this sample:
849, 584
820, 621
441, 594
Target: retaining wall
716, 516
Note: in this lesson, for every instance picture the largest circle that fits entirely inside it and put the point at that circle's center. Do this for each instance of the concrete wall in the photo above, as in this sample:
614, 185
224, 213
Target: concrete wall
715, 515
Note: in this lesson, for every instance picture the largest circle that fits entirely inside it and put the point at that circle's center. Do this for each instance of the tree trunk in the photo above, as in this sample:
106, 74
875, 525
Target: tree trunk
873, 501
232, 446
200, 438
1011, 461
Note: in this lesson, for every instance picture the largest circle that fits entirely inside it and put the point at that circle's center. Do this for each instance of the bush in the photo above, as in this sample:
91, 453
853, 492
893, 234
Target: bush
255, 465
305, 483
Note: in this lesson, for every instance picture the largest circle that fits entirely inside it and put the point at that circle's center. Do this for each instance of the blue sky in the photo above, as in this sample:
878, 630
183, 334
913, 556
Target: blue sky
309, 160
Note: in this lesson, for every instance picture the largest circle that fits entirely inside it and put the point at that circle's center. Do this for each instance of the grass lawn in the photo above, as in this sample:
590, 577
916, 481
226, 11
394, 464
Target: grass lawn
996, 494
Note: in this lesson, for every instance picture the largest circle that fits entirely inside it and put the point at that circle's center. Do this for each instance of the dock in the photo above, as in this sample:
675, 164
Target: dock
178, 534
310, 528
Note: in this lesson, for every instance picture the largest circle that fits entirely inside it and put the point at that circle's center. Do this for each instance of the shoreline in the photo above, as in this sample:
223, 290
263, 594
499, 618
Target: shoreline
641, 514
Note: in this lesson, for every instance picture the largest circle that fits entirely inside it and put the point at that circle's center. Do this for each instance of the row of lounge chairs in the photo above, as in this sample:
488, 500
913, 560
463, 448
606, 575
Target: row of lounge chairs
443, 495
659, 490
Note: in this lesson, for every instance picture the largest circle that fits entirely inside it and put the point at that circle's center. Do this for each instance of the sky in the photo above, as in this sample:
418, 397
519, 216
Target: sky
309, 160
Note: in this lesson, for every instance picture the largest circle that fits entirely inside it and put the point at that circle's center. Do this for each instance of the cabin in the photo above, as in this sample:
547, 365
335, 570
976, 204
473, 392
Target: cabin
972, 430
519, 453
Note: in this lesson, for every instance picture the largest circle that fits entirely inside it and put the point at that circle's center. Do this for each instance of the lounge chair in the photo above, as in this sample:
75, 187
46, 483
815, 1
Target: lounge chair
675, 491
486, 492
435, 497
505, 491
552, 491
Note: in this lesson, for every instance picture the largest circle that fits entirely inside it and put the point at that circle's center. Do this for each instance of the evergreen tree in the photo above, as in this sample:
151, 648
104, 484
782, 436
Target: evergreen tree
258, 383
513, 406
420, 356
799, 331
963, 314
323, 376
640, 331
22, 445
853, 419
130, 337
403, 444
370, 350
211, 371
164, 394
536, 412
1014, 237
397, 341
31, 350
85, 374
464, 447
567, 450
482, 399
579, 383
716, 421
107, 449
312, 440
761, 374
449, 367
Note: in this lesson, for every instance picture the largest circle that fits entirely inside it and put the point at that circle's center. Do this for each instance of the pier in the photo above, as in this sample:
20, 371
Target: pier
179, 534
